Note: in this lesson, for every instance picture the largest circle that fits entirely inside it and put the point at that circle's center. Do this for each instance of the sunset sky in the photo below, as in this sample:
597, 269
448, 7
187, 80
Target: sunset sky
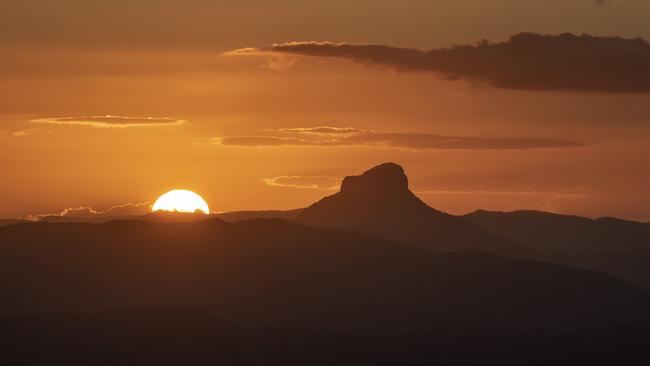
268, 104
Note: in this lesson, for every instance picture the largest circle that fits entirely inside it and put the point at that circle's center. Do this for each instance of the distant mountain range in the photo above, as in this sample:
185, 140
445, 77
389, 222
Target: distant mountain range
247, 215
543, 231
614, 246
379, 202
162, 216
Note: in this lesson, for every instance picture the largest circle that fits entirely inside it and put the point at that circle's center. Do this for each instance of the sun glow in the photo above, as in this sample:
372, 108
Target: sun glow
181, 200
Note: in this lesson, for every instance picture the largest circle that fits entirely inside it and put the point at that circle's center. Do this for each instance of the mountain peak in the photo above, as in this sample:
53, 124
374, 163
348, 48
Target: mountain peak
384, 177
379, 202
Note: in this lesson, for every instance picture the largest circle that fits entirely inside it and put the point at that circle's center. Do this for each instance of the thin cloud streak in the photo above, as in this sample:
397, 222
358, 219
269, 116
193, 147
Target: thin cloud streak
324, 130
109, 121
325, 136
317, 182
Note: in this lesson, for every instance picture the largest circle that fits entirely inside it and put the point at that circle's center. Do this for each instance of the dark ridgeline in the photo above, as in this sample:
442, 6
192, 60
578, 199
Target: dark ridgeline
380, 202
548, 232
213, 289
247, 215
7, 222
269, 291
613, 246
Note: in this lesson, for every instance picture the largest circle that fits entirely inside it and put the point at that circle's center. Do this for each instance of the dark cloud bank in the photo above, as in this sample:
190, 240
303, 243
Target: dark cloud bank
526, 61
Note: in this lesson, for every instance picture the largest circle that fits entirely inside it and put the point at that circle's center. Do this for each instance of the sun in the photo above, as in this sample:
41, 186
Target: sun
180, 200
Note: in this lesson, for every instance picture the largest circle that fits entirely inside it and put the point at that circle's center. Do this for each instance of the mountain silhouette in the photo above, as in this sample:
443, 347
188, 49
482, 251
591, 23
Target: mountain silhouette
295, 275
164, 216
543, 231
631, 266
7, 222
379, 202
248, 215
609, 245
265, 290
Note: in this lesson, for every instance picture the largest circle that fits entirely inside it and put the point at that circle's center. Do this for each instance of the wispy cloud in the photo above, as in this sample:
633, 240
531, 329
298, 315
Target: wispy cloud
86, 212
319, 182
26, 132
324, 130
109, 121
264, 141
526, 61
326, 136
22, 133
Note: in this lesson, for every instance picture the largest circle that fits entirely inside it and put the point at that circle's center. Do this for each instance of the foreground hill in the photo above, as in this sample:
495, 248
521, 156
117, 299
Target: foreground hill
293, 274
209, 288
380, 202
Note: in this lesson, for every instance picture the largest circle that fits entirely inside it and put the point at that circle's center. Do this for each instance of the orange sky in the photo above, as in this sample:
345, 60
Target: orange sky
579, 152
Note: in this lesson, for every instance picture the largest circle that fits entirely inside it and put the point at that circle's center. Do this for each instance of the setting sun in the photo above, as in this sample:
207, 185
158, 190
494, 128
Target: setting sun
181, 200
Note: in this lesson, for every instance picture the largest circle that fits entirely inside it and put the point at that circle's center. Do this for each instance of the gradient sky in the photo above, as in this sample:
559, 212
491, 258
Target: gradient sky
239, 128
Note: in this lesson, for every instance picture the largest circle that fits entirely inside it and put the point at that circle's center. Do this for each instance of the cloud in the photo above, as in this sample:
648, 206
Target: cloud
281, 63
245, 51
26, 132
109, 121
526, 61
320, 182
21, 133
265, 141
348, 136
85, 212
324, 130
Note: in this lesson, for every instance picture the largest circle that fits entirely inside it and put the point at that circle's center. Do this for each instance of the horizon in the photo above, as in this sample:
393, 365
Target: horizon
83, 213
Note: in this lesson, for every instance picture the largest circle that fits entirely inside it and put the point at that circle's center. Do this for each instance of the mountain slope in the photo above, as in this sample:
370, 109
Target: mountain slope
269, 291
608, 245
265, 214
379, 202
7, 222
545, 231
271, 273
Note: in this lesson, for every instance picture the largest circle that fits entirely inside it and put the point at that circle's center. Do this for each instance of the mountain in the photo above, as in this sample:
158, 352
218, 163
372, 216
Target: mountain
293, 275
200, 290
631, 266
7, 222
265, 214
163, 216
543, 231
379, 202
613, 246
